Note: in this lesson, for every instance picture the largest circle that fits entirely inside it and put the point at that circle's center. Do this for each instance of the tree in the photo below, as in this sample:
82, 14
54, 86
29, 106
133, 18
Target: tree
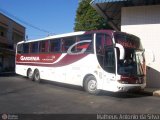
88, 19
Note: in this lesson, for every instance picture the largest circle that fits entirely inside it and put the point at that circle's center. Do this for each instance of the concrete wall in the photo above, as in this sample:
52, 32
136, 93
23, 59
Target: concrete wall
11, 27
144, 21
10, 33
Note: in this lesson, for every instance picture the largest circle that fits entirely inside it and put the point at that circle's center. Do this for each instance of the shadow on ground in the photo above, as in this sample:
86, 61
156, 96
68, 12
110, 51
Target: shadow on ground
80, 89
102, 93
124, 94
8, 74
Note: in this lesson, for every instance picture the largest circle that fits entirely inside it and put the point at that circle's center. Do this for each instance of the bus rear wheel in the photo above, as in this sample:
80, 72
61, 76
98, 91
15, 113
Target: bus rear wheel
90, 85
36, 76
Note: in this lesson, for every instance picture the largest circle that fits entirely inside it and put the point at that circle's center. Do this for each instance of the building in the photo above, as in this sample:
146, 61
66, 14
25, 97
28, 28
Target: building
141, 18
10, 33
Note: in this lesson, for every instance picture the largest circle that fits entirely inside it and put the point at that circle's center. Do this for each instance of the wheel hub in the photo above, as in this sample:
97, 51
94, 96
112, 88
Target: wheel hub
92, 85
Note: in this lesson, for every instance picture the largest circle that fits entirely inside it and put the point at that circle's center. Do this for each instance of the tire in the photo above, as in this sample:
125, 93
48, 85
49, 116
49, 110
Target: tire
30, 74
90, 85
36, 76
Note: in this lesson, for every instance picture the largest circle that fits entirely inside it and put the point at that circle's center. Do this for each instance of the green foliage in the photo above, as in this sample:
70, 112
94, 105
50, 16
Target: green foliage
88, 19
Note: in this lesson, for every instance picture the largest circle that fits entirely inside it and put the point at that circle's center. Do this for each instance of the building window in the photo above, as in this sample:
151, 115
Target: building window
3, 31
2, 34
17, 38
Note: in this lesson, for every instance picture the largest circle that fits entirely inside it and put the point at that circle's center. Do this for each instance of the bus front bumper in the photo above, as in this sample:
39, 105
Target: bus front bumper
130, 87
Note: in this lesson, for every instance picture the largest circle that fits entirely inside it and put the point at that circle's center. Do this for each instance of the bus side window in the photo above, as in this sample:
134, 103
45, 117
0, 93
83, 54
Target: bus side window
20, 48
43, 45
34, 47
109, 61
105, 52
108, 40
100, 42
26, 48
68, 42
85, 44
55, 45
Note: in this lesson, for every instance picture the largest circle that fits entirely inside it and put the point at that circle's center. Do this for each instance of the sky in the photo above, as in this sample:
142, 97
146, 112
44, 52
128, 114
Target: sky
55, 16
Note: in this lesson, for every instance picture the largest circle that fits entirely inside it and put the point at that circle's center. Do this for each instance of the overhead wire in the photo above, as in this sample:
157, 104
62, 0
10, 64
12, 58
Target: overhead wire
22, 21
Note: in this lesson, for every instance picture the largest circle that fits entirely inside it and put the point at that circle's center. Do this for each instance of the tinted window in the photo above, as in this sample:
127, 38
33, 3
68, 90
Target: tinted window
105, 52
67, 42
34, 47
44, 46
55, 45
102, 40
88, 45
109, 61
108, 40
19, 48
26, 48
128, 41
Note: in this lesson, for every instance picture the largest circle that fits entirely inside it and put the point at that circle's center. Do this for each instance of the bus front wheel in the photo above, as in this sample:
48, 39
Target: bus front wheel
36, 76
90, 85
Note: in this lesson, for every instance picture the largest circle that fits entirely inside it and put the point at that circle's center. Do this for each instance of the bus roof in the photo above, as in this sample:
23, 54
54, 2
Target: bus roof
65, 35
54, 36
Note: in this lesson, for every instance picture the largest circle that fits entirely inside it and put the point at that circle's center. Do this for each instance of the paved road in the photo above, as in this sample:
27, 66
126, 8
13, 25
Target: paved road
19, 95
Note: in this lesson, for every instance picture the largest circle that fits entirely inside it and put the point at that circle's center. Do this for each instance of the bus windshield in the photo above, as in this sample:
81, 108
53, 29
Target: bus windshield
133, 62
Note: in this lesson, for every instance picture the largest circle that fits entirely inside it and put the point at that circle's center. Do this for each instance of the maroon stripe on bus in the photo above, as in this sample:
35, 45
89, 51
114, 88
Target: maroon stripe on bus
43, 58
66, 60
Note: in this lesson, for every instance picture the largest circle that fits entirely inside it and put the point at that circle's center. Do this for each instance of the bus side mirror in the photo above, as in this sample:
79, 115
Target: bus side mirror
122, 51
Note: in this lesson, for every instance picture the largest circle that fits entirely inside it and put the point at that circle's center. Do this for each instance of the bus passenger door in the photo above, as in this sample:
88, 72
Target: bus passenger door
109, 74
106, 58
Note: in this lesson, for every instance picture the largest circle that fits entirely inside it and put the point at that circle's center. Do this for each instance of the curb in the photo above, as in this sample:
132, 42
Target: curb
156, 93
152, 92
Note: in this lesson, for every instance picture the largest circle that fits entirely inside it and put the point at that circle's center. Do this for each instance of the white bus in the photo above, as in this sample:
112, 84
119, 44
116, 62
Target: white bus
96, 60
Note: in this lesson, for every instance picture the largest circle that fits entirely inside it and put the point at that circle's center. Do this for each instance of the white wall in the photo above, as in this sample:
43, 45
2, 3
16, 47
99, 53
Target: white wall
144, 21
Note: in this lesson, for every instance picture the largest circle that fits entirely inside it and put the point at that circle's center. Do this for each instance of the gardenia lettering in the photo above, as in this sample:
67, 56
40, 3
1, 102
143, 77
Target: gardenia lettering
29, 58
